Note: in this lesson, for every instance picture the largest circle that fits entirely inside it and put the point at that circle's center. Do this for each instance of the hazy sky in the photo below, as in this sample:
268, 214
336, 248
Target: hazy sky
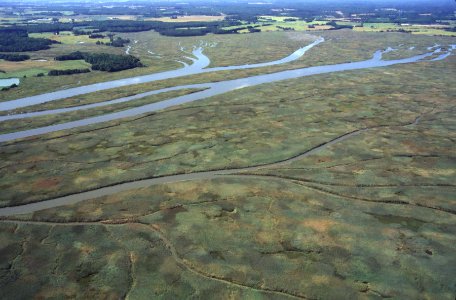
273, 1
392, 2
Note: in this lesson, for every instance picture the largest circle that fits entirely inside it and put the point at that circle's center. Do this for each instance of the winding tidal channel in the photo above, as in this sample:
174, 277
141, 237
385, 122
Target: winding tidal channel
210, 89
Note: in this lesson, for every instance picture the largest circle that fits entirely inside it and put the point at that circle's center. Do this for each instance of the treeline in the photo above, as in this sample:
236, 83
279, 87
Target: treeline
96, 36
14, 57
6, 88
47, 27
104, 61
196, 28
185, 32
338, 26
250, 28
164, 28
67, 72
72, 56
285, 28
17, 40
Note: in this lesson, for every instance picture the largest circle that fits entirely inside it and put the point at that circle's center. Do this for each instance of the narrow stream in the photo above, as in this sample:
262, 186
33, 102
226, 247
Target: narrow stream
114, 189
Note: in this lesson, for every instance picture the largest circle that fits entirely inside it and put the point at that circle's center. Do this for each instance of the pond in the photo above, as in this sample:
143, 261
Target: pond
9, 82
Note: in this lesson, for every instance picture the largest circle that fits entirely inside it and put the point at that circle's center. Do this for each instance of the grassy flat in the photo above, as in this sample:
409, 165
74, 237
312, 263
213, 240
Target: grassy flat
285, 125
281, 240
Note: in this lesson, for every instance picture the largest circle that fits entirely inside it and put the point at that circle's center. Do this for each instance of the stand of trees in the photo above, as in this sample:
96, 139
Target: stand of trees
96, 36
78, 32
112, 62
104, 61
337, 26
17, 40
67, 72
72, 56
285, 28
253, 29
14, 57
164, 28
6, 88
118, 42
48, 27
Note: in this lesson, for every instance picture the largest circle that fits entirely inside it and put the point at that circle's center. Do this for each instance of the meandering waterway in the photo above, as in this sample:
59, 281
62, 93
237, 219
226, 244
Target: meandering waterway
114, 189
199, 65
212, 89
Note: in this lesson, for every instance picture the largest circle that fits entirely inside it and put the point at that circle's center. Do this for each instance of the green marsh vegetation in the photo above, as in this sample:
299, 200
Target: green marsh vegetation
369, 217
232, 130
24, 124
341, 46
280, 240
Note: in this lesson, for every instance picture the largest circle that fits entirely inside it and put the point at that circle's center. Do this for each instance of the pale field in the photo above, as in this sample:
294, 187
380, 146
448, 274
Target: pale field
67, 37
193, 18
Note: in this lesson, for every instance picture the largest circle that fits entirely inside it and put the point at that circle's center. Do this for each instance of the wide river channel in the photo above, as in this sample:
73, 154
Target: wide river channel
211, 89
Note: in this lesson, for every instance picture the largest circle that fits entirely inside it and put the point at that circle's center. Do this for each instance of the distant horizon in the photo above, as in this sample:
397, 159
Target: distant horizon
442, 4
451, 4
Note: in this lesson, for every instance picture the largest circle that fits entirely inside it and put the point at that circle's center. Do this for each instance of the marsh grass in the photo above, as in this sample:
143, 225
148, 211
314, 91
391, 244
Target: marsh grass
46, 120
292, 239
241, 128
369, 217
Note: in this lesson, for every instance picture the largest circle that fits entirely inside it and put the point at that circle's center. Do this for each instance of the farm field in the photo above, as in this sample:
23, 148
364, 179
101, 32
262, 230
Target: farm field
275, 23
67, 37
413, 29
194, 18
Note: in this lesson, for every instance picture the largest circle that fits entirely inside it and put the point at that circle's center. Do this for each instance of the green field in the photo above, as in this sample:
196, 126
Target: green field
34, 67
276, 23
273, 23
67, 37
414, 29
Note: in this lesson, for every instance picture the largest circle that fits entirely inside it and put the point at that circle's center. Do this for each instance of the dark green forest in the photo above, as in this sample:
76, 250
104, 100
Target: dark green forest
14, 57
104, 61
164, 28
17, 40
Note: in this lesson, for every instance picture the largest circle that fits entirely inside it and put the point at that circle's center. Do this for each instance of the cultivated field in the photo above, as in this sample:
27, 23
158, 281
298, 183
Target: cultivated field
194, 18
